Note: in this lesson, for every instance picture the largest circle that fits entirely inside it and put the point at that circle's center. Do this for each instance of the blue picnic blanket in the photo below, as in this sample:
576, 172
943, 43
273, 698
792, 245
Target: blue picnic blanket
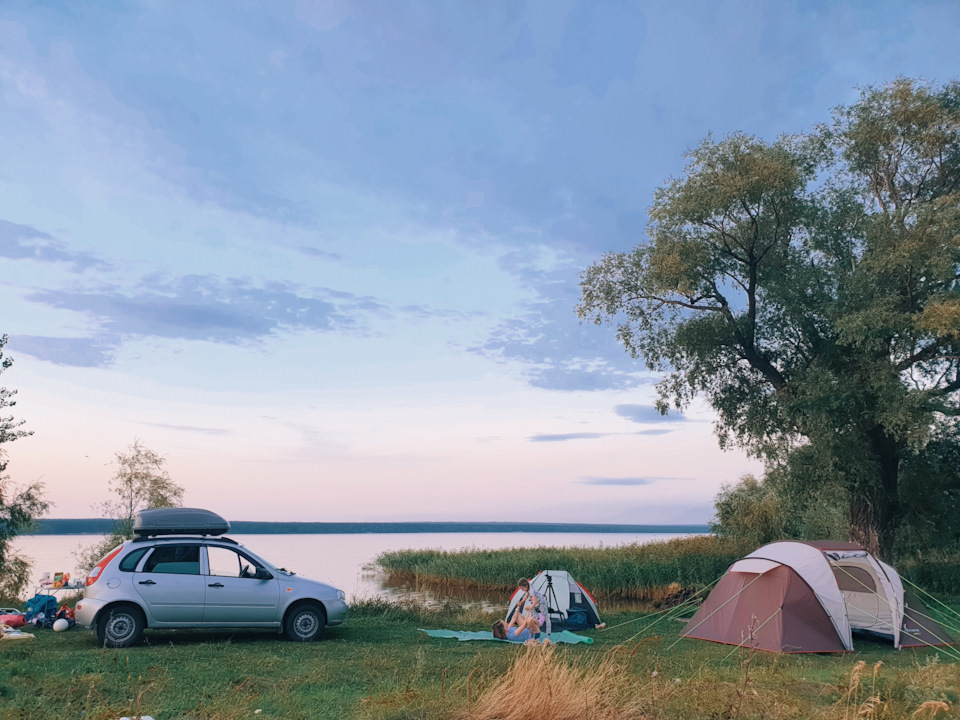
463, 635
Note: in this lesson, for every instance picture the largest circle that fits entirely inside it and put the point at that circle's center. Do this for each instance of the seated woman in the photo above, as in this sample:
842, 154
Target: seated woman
520, 630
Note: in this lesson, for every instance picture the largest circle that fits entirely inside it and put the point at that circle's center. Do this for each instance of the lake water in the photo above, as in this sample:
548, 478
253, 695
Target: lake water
341, 560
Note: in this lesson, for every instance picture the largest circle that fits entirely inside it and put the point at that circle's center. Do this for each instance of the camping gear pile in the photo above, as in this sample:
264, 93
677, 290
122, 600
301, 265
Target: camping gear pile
11, 620
41, 611
571, 607
795, 597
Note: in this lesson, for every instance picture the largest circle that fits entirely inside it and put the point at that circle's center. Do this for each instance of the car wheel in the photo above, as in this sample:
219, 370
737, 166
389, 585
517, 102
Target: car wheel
120, 627
304, 623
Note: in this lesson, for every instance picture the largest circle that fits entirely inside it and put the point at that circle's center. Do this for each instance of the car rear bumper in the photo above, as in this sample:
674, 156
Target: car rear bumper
86, 611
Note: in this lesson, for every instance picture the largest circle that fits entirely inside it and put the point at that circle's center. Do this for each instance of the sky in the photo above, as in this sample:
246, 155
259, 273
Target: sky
324, 255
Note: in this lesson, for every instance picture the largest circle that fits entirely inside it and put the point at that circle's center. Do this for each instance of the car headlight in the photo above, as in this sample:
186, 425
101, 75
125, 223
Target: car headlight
341, 595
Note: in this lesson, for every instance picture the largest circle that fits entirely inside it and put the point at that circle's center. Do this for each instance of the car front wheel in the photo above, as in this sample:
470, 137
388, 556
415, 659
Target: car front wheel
120, 627
304, 623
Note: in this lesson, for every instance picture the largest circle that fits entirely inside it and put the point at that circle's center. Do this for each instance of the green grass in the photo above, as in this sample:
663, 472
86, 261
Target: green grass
379, 666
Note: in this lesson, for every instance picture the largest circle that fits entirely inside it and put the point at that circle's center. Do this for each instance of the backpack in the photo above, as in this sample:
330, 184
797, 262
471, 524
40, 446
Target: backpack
45, 604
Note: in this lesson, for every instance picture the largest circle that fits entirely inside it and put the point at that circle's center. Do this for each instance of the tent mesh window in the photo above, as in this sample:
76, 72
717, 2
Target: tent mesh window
851, 578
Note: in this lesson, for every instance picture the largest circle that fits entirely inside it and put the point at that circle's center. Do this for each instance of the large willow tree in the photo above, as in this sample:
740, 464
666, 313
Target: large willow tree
808, 289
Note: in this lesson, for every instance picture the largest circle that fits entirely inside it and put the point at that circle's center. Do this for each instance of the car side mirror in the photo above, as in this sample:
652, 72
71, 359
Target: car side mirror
263, 574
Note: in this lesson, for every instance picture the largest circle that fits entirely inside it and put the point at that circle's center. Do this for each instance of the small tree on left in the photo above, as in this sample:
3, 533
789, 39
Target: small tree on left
141, 481
19, 506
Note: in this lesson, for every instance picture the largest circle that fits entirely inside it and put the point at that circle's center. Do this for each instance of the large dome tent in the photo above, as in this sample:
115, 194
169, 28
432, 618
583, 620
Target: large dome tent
795, 596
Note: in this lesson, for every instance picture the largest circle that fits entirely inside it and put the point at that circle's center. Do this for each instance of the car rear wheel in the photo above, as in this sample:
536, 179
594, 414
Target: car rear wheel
120, 626
304, 623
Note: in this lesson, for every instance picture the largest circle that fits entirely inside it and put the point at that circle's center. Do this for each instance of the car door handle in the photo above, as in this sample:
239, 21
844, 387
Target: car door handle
147, 582
215, 585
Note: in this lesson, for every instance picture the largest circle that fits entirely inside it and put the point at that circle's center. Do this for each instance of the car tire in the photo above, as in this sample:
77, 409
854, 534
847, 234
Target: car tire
304, 622
120, 626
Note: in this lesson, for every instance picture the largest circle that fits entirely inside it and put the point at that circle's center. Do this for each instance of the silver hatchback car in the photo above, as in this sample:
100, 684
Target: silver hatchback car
176, 573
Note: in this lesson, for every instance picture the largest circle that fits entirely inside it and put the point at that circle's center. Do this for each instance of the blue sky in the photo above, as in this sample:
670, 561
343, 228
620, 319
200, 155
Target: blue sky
323, 255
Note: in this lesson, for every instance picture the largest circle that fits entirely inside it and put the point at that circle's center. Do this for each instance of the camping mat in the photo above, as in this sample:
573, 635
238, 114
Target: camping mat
462, 635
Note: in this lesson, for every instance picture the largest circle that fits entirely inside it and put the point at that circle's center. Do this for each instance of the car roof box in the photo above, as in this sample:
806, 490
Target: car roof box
179, 521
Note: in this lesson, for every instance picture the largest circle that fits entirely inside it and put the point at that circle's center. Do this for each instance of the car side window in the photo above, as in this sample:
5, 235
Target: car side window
130, 562
174, 559
225, 562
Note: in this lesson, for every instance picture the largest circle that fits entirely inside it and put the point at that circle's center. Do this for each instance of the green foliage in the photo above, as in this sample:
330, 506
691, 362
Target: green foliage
930, 496
937, 571
19, 506
752, 511
141, 481
86, 556
808, 288
757, 511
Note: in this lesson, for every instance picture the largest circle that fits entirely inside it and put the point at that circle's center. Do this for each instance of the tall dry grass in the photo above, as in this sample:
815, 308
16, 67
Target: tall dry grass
553, 684
538, 686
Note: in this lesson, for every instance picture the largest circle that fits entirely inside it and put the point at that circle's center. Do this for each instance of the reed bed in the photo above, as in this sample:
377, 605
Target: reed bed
649, 572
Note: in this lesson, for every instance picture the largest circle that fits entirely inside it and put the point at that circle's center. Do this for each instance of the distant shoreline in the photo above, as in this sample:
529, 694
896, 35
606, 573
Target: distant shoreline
99, 526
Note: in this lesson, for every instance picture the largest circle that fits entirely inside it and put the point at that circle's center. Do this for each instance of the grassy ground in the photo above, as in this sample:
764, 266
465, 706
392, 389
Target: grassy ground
379, 666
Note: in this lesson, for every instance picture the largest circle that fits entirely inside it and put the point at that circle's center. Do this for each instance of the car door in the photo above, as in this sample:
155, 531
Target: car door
233, 594
170, 583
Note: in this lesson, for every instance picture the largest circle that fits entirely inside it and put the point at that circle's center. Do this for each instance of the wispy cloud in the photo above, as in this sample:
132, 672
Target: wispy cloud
206, 308
77, 352
232, 311
189, 428
563, 437
22, 242
627, 481
556, 352
320, 254
648, 414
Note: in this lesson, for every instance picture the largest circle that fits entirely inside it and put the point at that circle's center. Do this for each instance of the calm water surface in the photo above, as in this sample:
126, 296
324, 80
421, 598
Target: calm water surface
341, 560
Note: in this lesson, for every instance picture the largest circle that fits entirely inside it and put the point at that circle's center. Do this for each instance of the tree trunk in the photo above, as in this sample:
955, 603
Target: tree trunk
874, 509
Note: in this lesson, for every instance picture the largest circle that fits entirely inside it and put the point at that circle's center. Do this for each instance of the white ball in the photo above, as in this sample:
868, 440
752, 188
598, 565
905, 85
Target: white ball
60, 625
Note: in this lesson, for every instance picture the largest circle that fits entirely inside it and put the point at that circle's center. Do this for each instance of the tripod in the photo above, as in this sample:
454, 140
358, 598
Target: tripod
553, 605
